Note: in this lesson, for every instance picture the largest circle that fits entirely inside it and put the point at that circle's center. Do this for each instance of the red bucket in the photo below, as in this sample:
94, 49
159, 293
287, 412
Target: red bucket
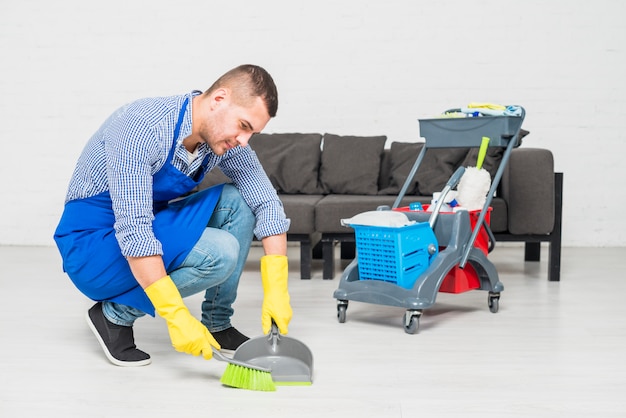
458, 279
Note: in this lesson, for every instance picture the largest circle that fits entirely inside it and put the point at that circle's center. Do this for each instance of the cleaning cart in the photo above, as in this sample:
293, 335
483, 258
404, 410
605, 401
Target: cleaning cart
408, 266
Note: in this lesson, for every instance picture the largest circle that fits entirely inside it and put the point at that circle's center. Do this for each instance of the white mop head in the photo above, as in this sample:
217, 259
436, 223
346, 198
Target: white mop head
473, 188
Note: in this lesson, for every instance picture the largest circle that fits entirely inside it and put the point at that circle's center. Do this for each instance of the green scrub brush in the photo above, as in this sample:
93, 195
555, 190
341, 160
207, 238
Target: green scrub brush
475, 183
245, 376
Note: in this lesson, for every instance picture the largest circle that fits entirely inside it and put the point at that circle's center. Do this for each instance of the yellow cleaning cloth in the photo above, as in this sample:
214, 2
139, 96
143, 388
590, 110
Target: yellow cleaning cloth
486, 106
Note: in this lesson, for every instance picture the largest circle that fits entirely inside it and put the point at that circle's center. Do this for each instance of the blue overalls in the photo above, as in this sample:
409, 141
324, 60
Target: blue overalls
91, 254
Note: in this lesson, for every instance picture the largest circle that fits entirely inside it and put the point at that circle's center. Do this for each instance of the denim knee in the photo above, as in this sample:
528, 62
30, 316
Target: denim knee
219, 247
232, 208
210, 263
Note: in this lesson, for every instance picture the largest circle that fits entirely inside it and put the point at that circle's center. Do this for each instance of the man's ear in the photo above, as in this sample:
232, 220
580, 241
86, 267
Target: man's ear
220, 94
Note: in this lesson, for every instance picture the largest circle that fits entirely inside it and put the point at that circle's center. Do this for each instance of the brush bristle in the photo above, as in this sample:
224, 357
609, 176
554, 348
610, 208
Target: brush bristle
246, 378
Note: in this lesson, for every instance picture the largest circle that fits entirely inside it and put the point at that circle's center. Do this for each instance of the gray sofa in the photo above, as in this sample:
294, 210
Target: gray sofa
322, 179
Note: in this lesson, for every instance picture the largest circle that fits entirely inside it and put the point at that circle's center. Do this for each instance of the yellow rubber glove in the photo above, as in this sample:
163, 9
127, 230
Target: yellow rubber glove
188, 335
274, 272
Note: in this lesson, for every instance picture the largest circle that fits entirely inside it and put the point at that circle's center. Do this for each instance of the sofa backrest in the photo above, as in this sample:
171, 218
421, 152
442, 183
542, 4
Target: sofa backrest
311, 163
384, 177
305, 163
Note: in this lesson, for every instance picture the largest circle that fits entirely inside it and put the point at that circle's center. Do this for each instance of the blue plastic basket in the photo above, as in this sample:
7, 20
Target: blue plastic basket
397, 255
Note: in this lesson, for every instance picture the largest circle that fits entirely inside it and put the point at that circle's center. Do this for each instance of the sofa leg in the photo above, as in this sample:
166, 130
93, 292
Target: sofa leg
306, 242
532, 251
348, 250
305, 260
328, 254
554, 269
317, 251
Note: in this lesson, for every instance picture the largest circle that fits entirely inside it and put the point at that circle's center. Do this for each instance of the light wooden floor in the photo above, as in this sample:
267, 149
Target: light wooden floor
553, 349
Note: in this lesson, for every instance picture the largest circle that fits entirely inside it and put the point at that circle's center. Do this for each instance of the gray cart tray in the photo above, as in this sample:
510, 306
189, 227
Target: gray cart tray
468, 132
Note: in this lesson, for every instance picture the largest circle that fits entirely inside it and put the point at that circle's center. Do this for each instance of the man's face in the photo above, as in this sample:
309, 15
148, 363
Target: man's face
229, 125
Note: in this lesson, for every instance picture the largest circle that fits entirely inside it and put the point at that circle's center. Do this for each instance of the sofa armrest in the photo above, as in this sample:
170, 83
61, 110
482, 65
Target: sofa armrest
527, 186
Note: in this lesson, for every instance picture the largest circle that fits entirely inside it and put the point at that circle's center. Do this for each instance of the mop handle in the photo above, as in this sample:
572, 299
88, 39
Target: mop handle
482, 152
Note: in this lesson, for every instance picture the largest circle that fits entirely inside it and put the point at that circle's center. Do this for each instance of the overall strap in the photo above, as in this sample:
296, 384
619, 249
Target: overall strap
181, 116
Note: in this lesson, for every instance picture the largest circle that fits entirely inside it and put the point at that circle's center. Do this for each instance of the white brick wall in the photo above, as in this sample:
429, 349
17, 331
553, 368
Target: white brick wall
342, 66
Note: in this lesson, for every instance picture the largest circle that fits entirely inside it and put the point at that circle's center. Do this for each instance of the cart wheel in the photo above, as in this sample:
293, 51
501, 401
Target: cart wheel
493, 300
342, 306
412, 321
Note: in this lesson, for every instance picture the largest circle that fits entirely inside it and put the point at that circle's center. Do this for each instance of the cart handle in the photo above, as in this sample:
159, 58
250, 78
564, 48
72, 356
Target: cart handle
452, 182
492, 238
514, 142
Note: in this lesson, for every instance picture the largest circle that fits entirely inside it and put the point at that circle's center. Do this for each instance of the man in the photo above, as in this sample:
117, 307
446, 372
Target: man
129, 244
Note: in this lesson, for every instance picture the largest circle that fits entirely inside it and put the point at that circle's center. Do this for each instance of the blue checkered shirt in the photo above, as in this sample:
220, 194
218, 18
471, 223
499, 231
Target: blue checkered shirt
133, 144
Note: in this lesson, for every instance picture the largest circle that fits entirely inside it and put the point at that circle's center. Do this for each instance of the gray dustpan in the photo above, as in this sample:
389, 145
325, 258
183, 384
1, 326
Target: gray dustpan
290, 361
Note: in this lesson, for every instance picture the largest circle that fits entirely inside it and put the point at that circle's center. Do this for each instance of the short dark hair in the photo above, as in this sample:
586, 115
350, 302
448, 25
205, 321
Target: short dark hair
248, 81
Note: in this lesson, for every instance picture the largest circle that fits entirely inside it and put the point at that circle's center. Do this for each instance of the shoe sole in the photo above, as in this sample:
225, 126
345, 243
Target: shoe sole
108, 354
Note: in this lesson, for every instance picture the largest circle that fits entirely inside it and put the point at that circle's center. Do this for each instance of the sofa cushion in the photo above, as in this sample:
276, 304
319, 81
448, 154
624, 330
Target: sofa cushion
491, 162
433, 173
437, 167
499, 215
350, 164
528, 186
492, 158
332, 208
402, 156
384, 176
300, 209
291, 160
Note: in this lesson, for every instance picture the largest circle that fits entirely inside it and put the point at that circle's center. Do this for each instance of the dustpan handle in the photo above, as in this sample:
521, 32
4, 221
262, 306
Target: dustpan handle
273, 336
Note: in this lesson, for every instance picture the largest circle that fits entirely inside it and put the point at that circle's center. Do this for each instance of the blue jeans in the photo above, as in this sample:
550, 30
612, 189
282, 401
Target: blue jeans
214, 265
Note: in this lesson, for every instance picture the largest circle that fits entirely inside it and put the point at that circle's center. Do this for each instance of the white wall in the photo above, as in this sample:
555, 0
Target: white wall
342, 66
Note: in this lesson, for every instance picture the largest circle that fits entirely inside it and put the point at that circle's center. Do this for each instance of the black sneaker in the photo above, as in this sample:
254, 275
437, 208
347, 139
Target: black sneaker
117, 341
229, 339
